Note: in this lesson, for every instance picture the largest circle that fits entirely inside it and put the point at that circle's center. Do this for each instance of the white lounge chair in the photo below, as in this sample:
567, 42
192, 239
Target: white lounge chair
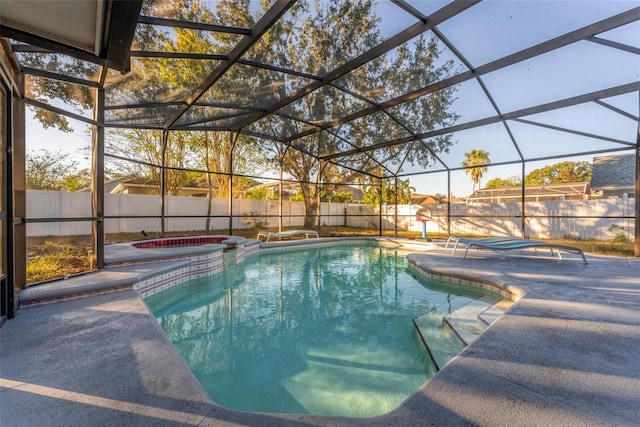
288, 233
466, 241
521, 244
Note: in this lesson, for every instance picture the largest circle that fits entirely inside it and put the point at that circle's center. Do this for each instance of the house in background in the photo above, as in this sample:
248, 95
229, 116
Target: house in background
614, 176
291, 188
132, 185
533, 193
426, 199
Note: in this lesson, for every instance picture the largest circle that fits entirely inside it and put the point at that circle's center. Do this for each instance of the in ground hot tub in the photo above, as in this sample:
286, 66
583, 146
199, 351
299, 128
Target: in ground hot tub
184, 241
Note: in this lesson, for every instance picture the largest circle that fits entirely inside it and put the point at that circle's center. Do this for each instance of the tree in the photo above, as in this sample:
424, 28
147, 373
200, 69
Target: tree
257, 193
77, 181
473, 162
403, 192
145, 146
560, 173
209, 151
299, 41
78, 97
48, 170
353, 29
338, 197
512, 181
371, 194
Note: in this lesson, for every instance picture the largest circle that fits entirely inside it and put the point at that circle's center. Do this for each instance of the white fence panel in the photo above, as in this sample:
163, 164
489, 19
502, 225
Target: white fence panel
185, 206
332, 214
265, 213
362, 216
132, 205
545, 220
58, 204
556, 219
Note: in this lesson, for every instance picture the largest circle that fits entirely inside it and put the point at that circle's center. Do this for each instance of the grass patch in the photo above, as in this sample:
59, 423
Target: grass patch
55, 261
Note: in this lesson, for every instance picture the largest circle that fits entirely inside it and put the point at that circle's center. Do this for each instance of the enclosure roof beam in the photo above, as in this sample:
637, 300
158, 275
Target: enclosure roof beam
200, 26
142, 105
580, 99
391, 43
616, 45
370, 156
523, 55
575, 132
50, 45
57, 110
178, 55
262, 26
410, 9
60, 77
517, 162
618, 110
270, 138
484, 88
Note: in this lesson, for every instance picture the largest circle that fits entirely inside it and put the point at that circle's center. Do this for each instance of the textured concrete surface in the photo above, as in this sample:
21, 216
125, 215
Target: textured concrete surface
568, 353
111, 278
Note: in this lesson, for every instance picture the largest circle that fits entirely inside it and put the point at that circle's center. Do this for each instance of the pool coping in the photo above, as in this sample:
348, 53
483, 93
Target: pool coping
147, 270
545, 362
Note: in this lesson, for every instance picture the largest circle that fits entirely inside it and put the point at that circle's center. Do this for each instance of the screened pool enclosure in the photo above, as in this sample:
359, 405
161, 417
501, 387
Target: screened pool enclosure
227, 115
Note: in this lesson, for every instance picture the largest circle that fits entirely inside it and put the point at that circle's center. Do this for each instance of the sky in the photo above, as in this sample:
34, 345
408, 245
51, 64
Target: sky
482, 34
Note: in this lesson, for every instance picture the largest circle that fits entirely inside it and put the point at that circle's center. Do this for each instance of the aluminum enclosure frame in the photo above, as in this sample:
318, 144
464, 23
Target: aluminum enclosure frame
119, 59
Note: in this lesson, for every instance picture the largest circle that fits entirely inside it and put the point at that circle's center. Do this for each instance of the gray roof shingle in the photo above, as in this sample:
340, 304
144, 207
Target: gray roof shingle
609, 172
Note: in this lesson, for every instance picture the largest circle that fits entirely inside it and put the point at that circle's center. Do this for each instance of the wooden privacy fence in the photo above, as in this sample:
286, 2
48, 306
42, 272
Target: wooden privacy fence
131, 213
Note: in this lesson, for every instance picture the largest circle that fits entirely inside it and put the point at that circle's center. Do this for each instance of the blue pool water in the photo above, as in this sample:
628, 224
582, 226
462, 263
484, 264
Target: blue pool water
325, 331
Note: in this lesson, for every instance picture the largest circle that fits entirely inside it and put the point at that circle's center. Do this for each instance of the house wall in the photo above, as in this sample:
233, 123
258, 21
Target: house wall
612, 194
557, 219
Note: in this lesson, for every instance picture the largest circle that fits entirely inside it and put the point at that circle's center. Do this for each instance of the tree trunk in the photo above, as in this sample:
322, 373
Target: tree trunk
310, 205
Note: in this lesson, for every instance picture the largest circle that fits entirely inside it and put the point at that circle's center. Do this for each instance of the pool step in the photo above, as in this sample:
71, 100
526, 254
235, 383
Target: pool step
466, 323
492, 314
450, 327
438, 338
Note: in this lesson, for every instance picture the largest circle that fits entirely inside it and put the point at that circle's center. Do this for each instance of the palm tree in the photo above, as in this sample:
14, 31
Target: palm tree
475, 161
404, 191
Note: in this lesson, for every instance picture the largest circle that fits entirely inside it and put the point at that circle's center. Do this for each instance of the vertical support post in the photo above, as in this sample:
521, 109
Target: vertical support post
97, 182
163, 180
395, 215
321, 167
7, 292
232, 143
280, 191
636, 239
448, 202
523, 223
380, 207
281, 187
17, 224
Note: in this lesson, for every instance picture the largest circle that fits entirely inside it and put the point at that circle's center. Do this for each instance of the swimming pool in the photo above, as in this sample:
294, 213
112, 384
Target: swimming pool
324, 330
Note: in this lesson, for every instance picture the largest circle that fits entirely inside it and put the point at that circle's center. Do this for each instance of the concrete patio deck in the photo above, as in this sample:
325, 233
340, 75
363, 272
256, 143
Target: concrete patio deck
568, 353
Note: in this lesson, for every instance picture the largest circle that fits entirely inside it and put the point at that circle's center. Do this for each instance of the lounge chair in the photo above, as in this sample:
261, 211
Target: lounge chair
522, 244
466, 241
280, 235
